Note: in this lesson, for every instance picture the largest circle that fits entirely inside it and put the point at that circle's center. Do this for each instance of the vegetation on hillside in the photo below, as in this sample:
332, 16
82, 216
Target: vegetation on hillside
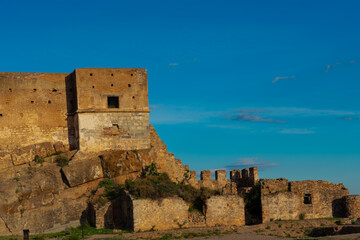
154, 185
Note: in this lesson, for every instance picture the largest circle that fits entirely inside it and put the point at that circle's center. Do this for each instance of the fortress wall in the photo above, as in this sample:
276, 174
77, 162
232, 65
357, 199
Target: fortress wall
33, 109
352, 206
106, 131
94, 85
105, 126
173, 213
238, 179
225, 211
283, 199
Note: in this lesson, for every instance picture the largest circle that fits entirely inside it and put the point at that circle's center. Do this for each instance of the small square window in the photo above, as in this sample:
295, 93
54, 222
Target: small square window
113, 102
307, 199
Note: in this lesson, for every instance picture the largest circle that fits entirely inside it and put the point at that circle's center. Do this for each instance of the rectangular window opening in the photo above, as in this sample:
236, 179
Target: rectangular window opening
307, 199
113, 102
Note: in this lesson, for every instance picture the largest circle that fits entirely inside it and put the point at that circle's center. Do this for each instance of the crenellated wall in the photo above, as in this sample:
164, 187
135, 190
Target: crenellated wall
245, 178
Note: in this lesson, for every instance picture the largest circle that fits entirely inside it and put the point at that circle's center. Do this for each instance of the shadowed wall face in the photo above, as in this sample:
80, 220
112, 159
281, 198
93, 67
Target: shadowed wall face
32, 109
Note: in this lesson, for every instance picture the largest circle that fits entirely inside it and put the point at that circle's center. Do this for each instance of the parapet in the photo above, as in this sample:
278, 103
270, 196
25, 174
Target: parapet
239, 178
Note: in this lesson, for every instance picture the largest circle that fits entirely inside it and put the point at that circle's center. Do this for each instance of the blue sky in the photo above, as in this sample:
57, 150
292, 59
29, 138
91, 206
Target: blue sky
231, 83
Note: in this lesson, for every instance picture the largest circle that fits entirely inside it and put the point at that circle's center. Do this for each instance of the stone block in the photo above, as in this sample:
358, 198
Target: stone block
59, 147
44, 149
235, 175
5, 160
83, 169
220, 175
205, 175
24, 155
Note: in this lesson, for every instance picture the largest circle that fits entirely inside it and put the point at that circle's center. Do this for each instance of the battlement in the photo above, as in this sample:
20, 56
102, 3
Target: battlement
244, 178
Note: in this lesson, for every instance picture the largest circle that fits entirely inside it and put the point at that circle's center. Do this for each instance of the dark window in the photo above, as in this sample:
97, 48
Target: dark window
93, 86
133, 97
307, 199
0, 114
113, 102
10, 89
90, 74
34, 89
112, 74
49, 101
132, 74
112, 85
129, 85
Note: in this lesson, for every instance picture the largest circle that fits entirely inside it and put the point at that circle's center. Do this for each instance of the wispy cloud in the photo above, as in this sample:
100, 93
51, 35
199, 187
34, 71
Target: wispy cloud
308, 112
250, 162
253, 118
154, 106
276, 79
168, 114
174, 64
171, 114
352, 118
296, 131
255, 110
225, 126
331, 66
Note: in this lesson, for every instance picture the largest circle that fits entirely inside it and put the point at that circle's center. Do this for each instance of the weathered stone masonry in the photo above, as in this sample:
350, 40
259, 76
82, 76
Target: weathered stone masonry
91, 109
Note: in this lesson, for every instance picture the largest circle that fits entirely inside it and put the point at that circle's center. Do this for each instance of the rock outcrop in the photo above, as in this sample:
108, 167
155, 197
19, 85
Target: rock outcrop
38, 194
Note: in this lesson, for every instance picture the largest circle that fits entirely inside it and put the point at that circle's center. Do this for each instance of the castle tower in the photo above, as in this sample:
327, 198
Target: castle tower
108, 109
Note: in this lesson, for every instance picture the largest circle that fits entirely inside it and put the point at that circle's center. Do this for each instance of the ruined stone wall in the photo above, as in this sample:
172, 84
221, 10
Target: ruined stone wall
282, 199
173, 212
352, 206
162, 214
239, 180
225, 211
32, 109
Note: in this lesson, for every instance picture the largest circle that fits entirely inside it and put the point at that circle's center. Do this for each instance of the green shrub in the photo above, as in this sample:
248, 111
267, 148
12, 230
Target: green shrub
38, 159
62, 161
155, 185
55, 153
150, 170
302, 216
71, 237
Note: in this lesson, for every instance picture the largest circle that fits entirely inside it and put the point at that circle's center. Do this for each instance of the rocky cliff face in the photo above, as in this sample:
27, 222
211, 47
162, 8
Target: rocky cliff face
43, 192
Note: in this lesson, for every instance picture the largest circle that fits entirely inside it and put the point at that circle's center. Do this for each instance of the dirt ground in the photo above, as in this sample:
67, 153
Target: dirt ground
269, 231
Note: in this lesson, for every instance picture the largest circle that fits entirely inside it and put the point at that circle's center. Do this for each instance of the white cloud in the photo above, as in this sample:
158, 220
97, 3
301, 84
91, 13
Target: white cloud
250, 162
276, 79
296, 131
225, 126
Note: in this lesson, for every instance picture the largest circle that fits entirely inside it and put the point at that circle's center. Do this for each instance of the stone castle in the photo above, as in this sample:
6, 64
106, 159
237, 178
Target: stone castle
98, 119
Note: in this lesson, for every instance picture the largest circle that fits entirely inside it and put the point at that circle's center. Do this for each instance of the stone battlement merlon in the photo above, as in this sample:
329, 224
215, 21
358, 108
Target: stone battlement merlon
245, 178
